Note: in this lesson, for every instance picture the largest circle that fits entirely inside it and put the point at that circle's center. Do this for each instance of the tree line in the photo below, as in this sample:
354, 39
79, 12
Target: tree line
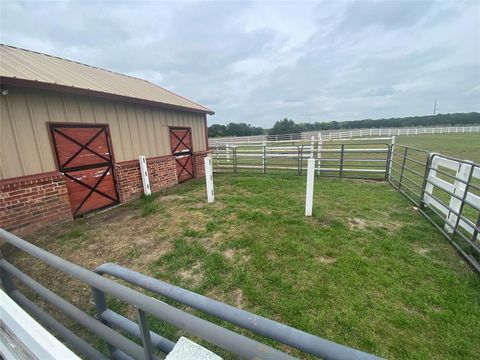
288, 126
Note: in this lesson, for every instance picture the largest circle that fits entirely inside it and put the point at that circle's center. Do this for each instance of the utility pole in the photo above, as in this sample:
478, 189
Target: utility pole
435, 108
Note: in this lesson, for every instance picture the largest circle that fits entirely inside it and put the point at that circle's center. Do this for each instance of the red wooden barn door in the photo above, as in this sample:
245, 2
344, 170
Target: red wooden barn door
182, 150
84, 156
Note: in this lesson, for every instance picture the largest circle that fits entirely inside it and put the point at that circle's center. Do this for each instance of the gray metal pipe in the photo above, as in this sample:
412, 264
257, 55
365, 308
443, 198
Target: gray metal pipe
120, 355
132, 328
80, 344
229, 340
285, 334
110, 335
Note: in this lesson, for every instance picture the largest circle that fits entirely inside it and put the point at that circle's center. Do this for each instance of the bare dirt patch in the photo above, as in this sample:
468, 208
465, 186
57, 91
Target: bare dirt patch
193, 275
229, 254
326, 260
421, 250
237, 296
272, 255
357, 223
236, 255
171, 198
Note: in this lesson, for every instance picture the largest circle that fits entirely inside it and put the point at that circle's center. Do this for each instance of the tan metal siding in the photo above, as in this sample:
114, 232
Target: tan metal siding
135, 129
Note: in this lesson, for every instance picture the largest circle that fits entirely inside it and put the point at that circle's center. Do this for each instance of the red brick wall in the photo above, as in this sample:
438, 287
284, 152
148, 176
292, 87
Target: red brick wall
161, 172
199, 163
31, 202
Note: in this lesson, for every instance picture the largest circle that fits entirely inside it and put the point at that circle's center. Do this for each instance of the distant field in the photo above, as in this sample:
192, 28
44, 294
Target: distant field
462, 146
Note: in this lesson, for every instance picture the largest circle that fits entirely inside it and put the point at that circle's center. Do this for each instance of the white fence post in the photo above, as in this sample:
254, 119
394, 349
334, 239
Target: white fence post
227, 150
459, 190
309, 194
312, 146
216, 158
209, 179
144, 172
319, 152
431, 173
390, 165
264, 155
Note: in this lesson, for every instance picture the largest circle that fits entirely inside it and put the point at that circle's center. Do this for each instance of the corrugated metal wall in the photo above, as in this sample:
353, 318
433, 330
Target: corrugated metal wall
135, 129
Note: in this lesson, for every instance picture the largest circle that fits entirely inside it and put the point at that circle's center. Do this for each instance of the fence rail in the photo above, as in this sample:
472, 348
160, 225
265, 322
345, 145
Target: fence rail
350, 159
343, 134
120, 347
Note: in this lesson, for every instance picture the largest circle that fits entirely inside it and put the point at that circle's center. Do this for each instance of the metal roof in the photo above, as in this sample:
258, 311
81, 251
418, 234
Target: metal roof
31, 66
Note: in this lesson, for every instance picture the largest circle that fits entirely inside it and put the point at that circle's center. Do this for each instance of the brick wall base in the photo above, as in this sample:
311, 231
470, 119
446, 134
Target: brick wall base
161, 172
30, 203
199, 163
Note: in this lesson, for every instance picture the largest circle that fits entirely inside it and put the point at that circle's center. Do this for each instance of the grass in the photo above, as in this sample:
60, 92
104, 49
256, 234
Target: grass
366, 270
461, 146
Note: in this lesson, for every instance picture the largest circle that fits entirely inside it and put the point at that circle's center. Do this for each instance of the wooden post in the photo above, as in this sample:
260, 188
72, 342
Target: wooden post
310, 180
209, 179
144, 172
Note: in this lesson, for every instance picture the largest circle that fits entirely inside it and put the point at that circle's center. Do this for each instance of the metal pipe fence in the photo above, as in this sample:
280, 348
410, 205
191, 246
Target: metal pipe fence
446, 191
343, 134
150, 345
357, 159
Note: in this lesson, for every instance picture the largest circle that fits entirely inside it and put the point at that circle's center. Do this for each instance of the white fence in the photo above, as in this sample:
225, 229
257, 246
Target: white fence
359, 158
462, 178
343, 134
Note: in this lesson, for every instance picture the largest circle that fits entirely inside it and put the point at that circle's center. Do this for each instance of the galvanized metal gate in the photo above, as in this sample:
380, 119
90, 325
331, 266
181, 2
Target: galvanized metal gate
84, 155
182, 150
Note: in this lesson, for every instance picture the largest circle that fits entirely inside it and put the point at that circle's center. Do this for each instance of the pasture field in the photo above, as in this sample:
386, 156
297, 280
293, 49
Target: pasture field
461, 146
367, 270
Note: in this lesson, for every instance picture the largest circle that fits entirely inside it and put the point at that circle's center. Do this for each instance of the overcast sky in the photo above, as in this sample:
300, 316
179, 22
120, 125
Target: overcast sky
258, 62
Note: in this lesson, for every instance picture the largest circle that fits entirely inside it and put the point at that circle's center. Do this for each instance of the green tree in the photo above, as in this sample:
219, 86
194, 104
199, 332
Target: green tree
217, 130
285, 126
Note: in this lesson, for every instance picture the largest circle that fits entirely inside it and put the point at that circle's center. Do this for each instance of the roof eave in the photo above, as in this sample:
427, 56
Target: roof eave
12, 81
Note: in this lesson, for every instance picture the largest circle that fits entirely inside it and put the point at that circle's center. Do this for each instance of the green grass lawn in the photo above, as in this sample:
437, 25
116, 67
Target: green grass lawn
366, 270
461, 146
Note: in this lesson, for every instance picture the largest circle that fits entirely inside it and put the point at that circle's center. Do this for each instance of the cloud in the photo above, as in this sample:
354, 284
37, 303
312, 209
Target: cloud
262, 61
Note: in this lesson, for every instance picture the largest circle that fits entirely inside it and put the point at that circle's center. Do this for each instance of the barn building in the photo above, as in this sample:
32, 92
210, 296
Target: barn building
71, 135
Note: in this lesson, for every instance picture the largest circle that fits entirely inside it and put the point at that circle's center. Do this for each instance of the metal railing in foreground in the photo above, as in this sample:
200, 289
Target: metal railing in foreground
357, 159
446, 191
120, 347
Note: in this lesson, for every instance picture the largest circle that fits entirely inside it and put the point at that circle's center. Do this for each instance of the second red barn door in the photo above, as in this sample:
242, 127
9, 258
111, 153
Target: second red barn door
182, 150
